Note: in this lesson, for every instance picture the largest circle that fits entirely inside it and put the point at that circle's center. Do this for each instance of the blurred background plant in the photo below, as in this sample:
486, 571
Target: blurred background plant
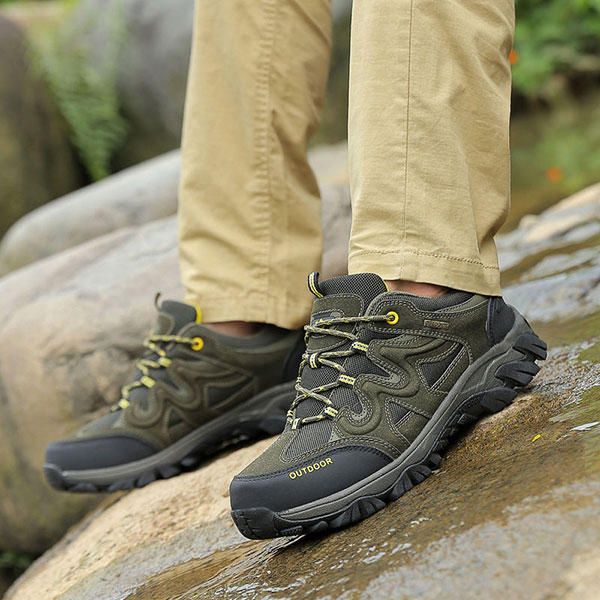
557, 48
85, 91
12, 564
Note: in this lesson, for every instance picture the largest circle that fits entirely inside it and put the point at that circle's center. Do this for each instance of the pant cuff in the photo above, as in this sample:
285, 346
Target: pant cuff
448, 271
254, 308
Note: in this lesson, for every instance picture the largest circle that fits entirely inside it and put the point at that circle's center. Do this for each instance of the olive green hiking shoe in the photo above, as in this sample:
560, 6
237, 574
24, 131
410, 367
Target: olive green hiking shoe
195, 391
387, 379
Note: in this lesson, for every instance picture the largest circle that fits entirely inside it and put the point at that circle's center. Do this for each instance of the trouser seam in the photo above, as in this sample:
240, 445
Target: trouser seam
263, 145
431, 254
408, 82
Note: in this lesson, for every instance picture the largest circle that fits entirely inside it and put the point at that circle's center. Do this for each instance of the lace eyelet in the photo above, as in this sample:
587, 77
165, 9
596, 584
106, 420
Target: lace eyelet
197, 344
392, 317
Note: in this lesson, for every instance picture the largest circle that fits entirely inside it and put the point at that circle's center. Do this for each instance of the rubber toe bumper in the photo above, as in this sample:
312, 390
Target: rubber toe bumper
96, 453
303, 483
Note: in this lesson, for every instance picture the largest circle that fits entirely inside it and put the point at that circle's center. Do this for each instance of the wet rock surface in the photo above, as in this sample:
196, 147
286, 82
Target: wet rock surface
513, 511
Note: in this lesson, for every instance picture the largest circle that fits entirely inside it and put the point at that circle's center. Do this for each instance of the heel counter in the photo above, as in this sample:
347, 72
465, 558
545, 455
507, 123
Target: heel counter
500, 319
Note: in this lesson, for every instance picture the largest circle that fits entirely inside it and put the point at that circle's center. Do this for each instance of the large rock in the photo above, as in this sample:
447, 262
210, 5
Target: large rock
148, 192
37, 161
70, 327
135, 196
552, 260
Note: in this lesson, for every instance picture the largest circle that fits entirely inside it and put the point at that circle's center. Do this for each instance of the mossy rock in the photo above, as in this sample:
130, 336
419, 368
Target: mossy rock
38, 163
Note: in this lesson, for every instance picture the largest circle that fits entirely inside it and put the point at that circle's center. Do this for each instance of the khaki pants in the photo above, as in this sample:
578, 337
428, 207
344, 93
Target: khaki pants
428, 144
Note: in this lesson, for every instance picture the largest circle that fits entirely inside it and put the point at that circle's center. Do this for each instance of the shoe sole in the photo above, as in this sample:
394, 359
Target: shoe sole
260, 416
486, 387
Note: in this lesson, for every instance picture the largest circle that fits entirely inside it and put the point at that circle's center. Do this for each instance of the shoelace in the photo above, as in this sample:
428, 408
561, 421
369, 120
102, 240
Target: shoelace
324, 358
153, 344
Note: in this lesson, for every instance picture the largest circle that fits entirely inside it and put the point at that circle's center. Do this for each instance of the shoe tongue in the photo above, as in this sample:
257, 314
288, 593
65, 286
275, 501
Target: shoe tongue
174, 316
345, 296
365, 285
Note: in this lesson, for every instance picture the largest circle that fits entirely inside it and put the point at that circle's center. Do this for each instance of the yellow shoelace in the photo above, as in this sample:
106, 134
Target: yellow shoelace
153, 344
324, 358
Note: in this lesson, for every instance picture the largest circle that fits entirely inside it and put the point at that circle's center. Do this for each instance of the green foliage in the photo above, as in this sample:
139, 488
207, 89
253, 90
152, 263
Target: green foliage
12, 565
85, 90
556, 40
11, 561
18, 1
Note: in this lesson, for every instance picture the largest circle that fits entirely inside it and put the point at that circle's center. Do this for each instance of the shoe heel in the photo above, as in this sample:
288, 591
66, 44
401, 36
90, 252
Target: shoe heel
273, 405
519, 373
531, 345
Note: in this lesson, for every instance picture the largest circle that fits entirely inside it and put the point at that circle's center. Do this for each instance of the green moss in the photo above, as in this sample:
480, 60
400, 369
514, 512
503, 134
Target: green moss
591, 396
85, 91
572, 331
591, 354
12, 566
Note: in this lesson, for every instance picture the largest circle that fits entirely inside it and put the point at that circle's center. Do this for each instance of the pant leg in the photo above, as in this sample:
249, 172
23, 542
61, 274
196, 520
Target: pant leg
429, 139
249, 212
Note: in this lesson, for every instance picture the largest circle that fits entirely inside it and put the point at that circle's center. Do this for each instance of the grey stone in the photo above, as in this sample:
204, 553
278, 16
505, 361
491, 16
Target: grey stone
574, 220
554, 260
70, 327
557, 296
132, 197
152, 66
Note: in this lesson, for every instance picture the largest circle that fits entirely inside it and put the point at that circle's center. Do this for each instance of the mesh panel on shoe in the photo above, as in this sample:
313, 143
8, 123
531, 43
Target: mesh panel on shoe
313, 435
432, 371
396, 412
365, 285
309, 438
174, 316
313, 378
359, 363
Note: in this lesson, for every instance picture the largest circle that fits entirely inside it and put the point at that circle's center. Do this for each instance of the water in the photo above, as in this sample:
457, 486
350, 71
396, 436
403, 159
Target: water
554, 154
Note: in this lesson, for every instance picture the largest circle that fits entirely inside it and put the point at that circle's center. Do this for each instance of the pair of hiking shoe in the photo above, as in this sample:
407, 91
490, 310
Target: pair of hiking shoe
365, 400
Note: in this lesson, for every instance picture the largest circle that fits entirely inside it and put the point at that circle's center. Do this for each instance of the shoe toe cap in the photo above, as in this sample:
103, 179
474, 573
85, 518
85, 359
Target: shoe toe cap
315, 478
96, 453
